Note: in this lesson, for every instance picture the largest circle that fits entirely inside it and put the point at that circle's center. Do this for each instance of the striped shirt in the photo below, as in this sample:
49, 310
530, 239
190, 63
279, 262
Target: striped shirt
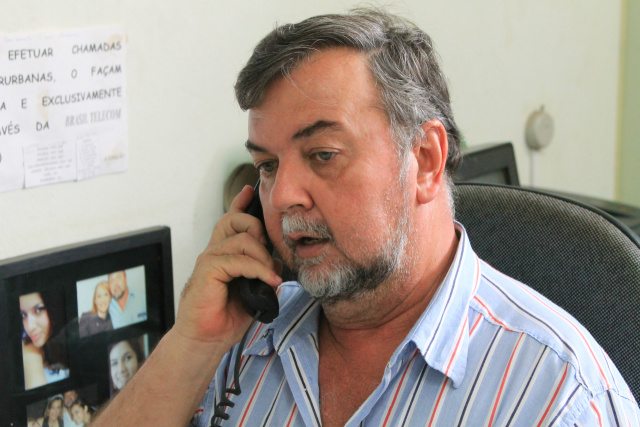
487, 351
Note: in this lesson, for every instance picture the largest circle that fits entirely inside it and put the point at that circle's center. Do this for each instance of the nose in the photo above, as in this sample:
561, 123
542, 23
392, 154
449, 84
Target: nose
30, 323
290, 188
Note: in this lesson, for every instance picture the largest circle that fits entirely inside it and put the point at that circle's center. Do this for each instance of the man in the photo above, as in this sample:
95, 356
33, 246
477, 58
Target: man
67, 402
394, 321
125, 307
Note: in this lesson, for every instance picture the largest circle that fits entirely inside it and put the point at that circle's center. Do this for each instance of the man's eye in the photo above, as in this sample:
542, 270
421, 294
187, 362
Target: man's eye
266, 167
324, 156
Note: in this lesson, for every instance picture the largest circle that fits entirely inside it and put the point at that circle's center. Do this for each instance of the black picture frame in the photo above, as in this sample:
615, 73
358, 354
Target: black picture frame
59, 271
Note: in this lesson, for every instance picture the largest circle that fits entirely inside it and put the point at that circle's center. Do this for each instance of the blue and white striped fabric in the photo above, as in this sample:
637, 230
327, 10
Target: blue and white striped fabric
487, 351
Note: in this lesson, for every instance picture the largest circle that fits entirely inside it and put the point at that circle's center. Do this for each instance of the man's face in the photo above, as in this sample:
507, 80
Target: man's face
334, 203
117, 284
69, 397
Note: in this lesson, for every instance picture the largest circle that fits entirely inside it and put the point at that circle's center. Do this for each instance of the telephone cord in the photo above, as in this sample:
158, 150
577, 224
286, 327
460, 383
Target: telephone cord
220, 411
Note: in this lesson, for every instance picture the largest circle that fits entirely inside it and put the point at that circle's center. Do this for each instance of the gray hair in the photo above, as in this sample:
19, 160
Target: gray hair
413, 89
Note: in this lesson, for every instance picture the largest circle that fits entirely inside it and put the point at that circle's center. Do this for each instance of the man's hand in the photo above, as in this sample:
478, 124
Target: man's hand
168, 387
207, 311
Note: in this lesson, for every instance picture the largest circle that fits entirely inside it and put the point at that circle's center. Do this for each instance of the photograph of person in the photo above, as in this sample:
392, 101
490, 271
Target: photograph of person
52, 413
125, 357
44, 352
68, 397
97, 319
127, 300
77, 408
82, 412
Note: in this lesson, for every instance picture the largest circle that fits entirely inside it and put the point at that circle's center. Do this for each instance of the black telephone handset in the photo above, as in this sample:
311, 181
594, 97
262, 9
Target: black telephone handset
257, 296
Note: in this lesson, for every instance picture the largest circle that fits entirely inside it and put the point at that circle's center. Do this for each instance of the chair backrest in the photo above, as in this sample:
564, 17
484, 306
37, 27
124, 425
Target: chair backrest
581, 258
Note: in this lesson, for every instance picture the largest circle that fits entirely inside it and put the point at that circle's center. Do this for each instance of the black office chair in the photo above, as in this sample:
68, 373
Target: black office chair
581, 258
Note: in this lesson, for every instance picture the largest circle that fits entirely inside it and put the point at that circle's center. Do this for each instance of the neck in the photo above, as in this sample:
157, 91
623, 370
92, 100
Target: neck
34, 349
122, 302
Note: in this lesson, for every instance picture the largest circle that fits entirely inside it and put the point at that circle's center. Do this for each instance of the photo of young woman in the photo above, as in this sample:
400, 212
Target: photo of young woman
53, 413
44, 353
98, 319
125, 357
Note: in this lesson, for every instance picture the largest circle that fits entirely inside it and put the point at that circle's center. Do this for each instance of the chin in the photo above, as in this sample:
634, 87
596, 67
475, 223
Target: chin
327, 285
39, 343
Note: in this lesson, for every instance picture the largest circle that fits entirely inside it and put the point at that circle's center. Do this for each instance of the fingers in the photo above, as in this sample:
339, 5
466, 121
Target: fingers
214, 272
238, 236
243, 245
236, 221
229, 267
236, 248
242, 200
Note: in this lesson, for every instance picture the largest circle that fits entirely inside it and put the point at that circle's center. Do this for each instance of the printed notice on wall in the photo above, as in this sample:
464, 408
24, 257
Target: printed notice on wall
62, 107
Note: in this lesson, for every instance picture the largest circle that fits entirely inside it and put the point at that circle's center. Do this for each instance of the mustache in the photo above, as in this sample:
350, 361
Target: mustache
296, 223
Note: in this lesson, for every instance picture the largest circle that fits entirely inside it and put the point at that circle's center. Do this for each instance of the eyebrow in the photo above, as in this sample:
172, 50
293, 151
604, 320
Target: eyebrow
251, 147
315, 128
305, 132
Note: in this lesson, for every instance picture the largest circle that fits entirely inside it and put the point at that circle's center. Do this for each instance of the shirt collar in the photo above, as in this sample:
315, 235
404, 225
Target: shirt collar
441, 334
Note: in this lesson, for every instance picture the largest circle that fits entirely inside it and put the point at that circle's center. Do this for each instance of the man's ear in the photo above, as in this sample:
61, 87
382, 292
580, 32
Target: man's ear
431, 155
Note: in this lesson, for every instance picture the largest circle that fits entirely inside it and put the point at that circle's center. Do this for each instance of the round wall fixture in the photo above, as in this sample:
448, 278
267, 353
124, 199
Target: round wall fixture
539, 129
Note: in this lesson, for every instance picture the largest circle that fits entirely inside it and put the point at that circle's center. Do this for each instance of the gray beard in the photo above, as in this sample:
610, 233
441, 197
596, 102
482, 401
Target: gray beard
345, 280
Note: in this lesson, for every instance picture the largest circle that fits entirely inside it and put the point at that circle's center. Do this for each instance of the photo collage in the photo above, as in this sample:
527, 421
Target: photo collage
106, 306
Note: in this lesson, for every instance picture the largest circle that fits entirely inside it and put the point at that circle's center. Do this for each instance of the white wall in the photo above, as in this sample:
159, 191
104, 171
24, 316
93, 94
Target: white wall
629, 174
504, 58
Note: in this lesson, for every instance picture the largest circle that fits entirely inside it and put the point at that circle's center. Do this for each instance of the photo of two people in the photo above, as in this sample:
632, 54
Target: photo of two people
111, 301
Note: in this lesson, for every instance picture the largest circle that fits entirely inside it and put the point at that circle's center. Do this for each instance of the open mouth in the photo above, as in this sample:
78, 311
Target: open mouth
310, 241
306, 238
300, 239
306, 246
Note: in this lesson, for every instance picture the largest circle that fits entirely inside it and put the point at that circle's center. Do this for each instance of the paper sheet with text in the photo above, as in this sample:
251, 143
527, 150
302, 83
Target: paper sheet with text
62, 107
